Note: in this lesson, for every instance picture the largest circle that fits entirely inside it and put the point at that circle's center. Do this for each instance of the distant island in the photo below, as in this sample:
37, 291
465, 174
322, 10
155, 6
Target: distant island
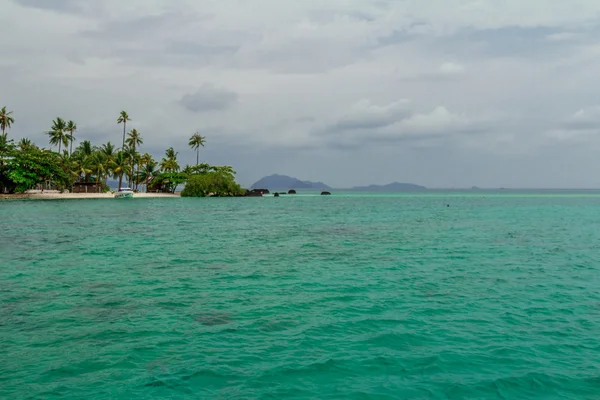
276, 181
286, 182
391, 186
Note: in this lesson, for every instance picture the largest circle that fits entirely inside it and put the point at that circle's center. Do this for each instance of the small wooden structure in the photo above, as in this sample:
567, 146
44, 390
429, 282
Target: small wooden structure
87, 187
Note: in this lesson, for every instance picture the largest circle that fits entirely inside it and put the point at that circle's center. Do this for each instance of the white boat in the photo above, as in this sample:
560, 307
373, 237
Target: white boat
124, 193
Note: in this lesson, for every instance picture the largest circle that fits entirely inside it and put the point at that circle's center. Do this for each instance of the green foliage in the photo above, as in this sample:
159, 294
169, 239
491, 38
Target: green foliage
24, 165
212, 183
169, 180
24, 168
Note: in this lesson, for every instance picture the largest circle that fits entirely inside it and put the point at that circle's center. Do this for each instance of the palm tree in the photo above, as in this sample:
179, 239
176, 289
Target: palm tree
123, 118
146, 159
169, 164
197, 141
5, 144
108, 150
170, 153
71, 127
82, 168
148, 172
25, 144
57, 133
98, 165
120, 166
86, 148
5, 119
134, 139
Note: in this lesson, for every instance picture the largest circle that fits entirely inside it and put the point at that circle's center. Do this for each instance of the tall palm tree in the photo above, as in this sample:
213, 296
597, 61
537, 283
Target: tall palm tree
71, 127
197, 141
57, 133
123, 118
120, 166
5, 119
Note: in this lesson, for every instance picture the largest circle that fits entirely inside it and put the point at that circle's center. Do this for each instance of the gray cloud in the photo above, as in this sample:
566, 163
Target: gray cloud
491, 90
209, 98
53, 5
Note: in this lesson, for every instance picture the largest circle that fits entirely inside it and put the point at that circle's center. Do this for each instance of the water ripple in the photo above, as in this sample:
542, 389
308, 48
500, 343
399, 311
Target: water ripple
354, 297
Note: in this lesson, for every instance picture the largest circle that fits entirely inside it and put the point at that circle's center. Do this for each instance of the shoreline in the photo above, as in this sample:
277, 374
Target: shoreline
73, 196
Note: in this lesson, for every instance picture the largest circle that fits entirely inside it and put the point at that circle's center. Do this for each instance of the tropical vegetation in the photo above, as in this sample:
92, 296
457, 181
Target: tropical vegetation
24, 165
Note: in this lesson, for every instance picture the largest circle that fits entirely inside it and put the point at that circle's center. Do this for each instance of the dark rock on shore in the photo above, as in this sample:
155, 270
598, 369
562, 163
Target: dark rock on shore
263, 191
325, 194
276, 195
256, 192
292, 191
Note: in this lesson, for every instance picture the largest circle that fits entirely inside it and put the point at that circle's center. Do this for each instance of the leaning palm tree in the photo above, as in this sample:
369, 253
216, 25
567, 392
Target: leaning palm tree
119, 166
197, 141
71, 127
123, 118
5, 119
57, 133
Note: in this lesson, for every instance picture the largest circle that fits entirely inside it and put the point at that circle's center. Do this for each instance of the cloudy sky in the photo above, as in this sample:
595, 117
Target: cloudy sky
444, 93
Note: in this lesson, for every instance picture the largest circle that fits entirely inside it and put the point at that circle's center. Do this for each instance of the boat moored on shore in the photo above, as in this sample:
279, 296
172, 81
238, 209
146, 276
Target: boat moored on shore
124, 193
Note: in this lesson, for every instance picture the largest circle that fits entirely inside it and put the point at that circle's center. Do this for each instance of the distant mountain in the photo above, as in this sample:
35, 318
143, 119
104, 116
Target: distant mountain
286, 182
391, 186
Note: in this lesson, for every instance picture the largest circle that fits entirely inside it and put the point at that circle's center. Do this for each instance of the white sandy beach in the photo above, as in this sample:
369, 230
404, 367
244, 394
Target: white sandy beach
53, 195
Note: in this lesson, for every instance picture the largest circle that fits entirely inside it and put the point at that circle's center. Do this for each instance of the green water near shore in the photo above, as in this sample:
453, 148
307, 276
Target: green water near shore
352, 296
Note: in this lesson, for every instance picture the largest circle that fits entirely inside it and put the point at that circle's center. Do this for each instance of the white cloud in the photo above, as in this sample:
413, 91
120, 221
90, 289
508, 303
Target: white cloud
451, 69
562, 36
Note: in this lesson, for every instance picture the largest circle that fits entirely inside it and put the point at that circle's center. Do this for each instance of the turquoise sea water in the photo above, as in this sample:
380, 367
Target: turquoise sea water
353, 296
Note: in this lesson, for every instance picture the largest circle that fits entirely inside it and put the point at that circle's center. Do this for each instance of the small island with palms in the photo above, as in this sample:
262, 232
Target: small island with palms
30, 171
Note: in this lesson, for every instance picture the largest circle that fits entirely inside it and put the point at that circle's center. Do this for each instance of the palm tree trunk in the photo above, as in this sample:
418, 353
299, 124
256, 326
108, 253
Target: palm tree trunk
197, 156
120, 180
59, 143
137, 177
124, 128
71, 147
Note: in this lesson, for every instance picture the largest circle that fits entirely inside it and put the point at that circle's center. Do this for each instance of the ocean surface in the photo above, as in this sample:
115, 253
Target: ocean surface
431, 295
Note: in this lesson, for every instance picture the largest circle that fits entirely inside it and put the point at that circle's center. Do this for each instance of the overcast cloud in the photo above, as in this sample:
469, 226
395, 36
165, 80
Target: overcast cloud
444, 93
